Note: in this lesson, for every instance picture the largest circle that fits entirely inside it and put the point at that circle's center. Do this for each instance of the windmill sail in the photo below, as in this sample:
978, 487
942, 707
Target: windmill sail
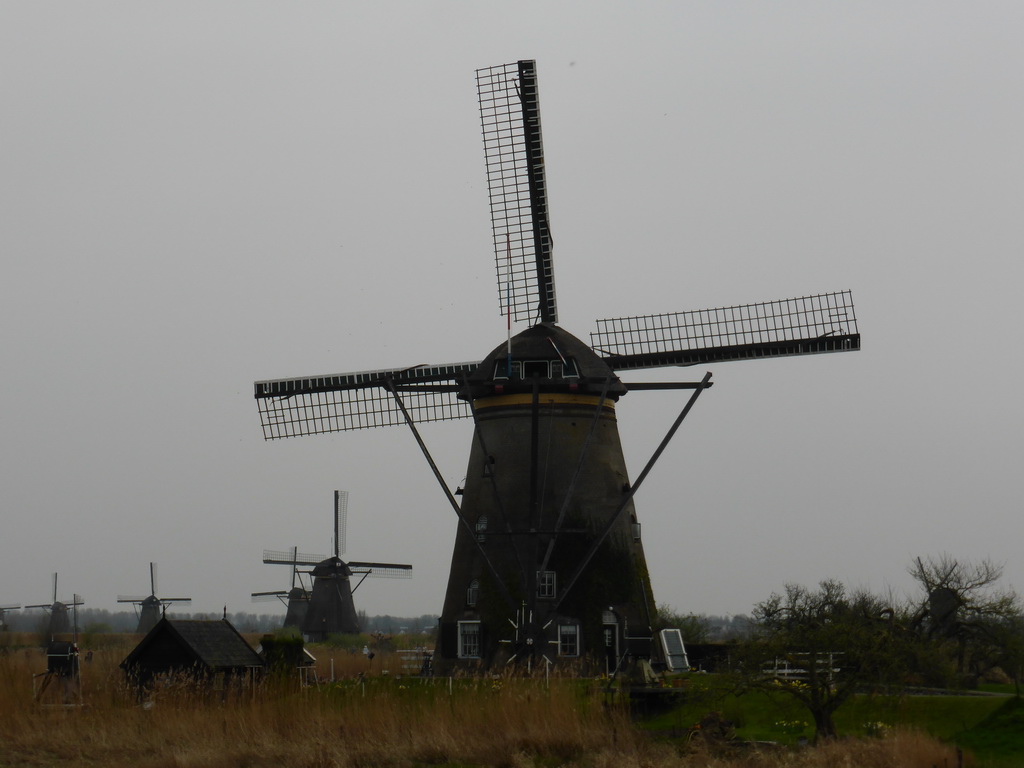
514, 153
801, 326
382, 570
291, 557
313, 405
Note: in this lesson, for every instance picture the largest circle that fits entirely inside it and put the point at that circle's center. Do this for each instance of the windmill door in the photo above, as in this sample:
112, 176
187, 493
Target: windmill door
610, 635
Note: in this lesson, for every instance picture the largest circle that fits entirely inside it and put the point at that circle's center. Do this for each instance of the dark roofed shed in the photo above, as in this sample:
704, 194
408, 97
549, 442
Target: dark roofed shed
201, 648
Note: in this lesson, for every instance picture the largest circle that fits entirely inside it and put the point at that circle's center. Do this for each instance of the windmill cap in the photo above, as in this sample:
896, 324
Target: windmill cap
546, 342
332, 566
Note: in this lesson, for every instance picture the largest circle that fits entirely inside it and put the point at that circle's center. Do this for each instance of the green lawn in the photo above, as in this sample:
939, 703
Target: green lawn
990, 726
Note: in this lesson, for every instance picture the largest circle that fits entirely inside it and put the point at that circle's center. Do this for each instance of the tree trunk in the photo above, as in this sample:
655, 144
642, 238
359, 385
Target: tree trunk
824, 728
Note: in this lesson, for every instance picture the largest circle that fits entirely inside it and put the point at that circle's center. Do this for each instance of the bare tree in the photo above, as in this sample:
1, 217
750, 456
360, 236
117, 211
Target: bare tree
961, 602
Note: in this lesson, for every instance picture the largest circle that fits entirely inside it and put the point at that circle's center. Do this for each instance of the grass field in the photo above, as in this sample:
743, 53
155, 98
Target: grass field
990, 727
372, 715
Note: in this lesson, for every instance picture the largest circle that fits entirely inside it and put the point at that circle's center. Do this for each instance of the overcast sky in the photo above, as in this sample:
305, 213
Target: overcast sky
197, 195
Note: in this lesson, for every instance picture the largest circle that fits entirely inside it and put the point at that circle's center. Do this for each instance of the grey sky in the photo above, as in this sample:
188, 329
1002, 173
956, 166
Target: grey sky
194, 196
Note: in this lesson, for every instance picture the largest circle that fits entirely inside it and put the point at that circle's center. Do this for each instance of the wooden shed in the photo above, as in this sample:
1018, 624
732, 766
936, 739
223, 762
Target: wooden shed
206, 650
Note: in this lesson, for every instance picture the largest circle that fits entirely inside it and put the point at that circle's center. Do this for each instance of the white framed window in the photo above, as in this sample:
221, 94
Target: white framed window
481, 528
546, 585
501, 369
469, 639
566, 370
473, 593
568, 640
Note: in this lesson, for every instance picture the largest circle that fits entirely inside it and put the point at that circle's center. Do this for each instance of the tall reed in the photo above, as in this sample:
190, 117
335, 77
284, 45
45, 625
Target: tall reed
364, 719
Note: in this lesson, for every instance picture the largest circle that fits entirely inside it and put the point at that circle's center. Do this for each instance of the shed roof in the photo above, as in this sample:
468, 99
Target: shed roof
216, 645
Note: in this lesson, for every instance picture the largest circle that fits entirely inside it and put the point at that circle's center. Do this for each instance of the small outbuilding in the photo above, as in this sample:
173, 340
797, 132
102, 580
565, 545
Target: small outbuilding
287, 654
213, 651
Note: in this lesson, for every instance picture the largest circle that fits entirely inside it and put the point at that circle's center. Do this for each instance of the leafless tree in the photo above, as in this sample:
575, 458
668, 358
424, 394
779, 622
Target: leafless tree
961, 601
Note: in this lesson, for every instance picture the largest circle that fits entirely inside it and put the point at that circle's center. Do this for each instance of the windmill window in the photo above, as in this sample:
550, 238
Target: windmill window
542, 369
564, 370
546, 584
636, 531
568, 640
473, 593
469, 639
501, 369
481, 528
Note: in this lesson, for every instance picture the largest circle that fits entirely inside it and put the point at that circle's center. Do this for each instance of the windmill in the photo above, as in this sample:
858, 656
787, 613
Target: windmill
296, 598
3, 614
151, 608
330, 609
547, 561
60, 623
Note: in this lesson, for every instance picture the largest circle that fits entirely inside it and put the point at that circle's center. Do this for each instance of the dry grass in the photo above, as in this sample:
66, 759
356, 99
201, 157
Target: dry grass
373, 720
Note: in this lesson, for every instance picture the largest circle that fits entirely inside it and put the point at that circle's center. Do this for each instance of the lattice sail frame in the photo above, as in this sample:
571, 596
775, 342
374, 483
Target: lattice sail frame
314, 405
807, 325
517, 190
340, 521
377, 570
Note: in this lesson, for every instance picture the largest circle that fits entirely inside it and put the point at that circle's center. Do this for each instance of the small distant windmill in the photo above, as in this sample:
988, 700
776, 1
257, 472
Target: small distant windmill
3, 614
60, 623
151, 608
296, 598
330, 609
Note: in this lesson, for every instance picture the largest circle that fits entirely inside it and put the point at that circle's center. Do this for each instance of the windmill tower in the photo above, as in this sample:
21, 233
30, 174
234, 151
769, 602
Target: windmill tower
60, 621
295, 598
548, 561
3, 614
331, 609
151, 608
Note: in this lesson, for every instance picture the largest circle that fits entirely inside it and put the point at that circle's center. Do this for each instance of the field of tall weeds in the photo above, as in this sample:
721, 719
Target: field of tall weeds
370, 715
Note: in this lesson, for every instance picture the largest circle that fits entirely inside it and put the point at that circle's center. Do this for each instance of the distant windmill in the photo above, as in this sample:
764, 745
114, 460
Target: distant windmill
151, 608
60, 622
547, 560
331, 609
296, 598
3, 614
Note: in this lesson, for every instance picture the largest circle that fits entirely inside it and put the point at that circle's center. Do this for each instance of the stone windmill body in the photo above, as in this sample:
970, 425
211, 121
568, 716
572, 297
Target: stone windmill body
330, 608
150, 608
548, 561
296, 597
60, 622
4, 610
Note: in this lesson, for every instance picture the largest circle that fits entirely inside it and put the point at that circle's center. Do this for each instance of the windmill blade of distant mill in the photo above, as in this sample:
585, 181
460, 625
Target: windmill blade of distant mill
382, 570
168, 600
290, 557
130, 599
270, 597
313, 405
803, 326
517, 190
340, 521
